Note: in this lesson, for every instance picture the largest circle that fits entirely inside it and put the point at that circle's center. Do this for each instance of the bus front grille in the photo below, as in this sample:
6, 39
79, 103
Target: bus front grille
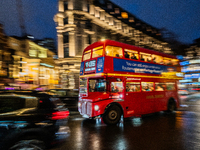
86, 108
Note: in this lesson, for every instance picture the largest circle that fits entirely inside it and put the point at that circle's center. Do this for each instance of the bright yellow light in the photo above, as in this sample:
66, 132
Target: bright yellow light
124, 15
103, 40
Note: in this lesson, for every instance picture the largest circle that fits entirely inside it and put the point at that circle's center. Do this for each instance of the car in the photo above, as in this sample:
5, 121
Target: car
67, 96
32, 121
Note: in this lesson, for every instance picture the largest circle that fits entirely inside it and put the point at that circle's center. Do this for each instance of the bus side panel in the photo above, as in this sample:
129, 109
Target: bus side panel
132, 104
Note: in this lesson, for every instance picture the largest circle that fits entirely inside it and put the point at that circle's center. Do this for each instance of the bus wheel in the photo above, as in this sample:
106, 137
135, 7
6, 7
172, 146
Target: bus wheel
112, 115
171, 106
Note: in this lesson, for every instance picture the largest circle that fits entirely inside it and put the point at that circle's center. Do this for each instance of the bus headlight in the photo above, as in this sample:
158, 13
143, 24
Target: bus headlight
96, 107
121, 96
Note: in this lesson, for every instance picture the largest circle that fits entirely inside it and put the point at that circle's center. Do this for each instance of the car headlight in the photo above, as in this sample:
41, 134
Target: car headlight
96, 107
79, 104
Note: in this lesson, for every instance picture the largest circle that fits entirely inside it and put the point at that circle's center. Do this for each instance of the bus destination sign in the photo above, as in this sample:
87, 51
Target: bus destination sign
90, 65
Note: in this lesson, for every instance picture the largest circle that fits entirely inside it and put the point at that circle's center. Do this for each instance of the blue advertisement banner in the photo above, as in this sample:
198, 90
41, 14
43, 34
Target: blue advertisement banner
81, 68
140, 67
100, 65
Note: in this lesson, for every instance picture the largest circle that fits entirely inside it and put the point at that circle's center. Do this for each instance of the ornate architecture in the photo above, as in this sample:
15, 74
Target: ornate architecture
83, 22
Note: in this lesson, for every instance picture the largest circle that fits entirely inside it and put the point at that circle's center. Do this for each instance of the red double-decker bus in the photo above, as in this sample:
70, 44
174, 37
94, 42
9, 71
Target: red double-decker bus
119, 79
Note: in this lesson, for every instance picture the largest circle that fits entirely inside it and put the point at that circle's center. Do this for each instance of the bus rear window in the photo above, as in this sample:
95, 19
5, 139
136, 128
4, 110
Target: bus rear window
114, 51
98, 51
87, 55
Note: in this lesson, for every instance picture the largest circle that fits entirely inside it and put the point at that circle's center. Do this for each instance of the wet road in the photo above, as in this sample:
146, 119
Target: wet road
160, 131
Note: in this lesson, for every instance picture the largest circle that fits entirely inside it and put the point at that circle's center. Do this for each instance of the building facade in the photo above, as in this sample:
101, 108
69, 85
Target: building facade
33, 66
83, 22
191, 67
6, 59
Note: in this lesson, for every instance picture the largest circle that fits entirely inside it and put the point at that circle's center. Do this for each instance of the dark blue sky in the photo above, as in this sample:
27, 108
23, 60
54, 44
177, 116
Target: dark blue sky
178, 16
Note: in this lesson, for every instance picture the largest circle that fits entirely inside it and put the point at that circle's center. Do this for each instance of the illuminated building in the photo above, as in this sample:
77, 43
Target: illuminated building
191, 67
5, 59
33, 65
47, 43
83, 22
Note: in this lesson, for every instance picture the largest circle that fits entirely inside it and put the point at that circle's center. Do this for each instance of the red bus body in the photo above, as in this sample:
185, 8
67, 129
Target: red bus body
114, 76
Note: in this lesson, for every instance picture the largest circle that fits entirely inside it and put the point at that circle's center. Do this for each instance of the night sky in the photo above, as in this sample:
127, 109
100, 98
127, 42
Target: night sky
178, 16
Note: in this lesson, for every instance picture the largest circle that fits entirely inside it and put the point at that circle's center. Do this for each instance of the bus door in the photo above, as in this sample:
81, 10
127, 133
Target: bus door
147, 97
132, 98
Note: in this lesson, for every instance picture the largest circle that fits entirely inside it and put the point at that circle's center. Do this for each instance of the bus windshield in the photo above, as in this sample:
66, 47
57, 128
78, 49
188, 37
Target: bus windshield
97, 85
83, 86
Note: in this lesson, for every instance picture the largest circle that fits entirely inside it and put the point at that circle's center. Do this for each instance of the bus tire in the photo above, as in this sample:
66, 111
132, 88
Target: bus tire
112, 115
171, 106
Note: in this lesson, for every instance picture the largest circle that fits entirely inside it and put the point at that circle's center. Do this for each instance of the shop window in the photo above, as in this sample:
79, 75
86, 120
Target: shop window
170, 86
147, 86
145, 57
132, 86
87, 55
114, 51
98, 51
116, 86
157, 59
131, 54
160, 86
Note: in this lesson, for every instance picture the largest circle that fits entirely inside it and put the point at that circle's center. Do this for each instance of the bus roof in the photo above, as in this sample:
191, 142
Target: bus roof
127, 46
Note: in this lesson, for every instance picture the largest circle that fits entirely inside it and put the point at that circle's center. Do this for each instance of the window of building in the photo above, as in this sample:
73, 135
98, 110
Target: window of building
114, 51
157, 59
145, 57
160, 86
65, 5
42, 54
117, 86
32, 53
170, 86
65, 20
66, 37
98, 51
132, 86
131, 54
147, 86
87, 55
66, 52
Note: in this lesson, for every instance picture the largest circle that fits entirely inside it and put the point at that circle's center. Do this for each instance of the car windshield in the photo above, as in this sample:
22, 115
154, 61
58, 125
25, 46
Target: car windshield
97, 85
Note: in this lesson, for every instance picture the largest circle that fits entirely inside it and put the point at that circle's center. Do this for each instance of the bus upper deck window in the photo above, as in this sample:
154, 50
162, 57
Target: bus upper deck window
157, 59
131, 54
167, 61
87, 55
98, 51
113, 51
145, 57
175, 62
